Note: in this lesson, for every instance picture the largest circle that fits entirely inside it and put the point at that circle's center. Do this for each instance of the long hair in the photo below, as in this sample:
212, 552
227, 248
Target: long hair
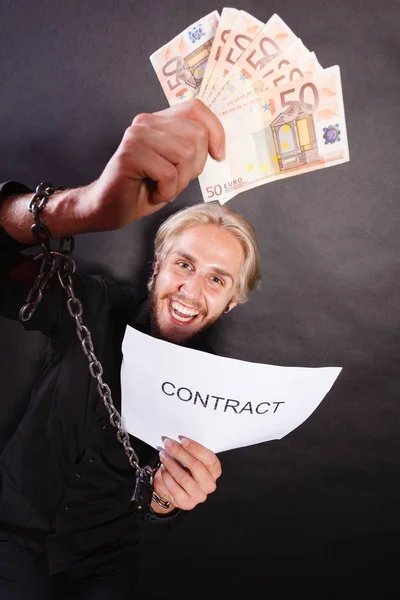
213, 213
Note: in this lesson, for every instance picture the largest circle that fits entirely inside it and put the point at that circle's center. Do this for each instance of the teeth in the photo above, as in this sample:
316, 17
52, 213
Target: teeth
182, 319
183, 310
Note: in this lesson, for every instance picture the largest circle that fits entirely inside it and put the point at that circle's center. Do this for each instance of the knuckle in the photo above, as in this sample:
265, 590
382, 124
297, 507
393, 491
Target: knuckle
201, 133
132, 134
202, 498
190, 504
185, 480
212, 487
168, 173
142, 119
188, 150
123, 158
197, 104
215, 464
178, 499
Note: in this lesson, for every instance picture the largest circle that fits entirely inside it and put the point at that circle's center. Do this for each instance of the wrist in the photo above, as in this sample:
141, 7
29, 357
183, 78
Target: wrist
63, 214
159, 510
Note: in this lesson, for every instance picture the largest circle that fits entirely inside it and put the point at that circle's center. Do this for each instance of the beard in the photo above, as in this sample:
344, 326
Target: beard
155, 327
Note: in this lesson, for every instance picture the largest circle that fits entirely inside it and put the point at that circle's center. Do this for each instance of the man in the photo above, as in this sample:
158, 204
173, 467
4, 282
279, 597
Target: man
67, 523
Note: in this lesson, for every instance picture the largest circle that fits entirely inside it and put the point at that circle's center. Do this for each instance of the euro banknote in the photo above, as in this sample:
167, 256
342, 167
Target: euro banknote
228, 17
282, 112
243, 30
180, 64
297, 62
270, 42
288, 130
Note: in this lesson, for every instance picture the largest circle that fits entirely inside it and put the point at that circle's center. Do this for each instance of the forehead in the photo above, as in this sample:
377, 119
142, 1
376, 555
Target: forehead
210, 245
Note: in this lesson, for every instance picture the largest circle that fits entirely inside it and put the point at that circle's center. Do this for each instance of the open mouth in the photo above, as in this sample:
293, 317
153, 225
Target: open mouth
182, 313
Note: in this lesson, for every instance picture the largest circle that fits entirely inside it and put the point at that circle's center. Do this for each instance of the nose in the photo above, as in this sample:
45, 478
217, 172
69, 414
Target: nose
192, 287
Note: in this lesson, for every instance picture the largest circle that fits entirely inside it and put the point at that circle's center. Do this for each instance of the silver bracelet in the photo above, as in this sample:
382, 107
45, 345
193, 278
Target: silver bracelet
160, 501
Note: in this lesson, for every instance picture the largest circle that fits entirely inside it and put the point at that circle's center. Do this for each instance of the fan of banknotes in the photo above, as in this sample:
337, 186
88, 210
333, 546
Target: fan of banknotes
282, 112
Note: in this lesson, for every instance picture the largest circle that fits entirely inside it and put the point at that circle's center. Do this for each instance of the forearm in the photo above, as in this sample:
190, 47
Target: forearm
150, 167
67, 212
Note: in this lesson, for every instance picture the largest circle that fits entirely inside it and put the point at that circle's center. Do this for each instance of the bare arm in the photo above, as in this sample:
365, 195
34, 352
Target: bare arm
62, 215
159, 155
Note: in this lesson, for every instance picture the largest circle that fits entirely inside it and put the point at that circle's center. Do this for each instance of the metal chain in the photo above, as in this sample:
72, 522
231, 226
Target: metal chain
35, 206
47, 270
75, 309
62, 263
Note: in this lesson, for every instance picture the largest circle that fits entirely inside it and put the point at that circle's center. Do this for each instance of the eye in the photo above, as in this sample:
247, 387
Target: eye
217, 280
184, 264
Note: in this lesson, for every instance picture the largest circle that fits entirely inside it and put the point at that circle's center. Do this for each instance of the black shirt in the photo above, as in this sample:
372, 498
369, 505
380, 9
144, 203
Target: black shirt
66, 481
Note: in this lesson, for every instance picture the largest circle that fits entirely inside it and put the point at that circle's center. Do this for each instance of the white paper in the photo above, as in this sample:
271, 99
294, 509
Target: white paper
223, 403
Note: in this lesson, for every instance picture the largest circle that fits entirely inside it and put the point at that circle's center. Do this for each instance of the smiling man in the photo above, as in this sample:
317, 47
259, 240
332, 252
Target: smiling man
67, 522
195, 282
206, 260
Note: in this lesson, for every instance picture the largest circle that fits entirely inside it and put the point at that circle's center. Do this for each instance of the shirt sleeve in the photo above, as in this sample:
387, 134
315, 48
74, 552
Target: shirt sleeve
154, 517
13, 187
18, 273
9, 188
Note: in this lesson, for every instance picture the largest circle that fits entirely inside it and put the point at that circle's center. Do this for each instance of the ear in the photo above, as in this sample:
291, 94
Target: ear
230, 306
155, 268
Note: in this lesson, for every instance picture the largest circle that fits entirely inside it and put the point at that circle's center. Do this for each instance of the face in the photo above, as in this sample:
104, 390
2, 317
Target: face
195, 282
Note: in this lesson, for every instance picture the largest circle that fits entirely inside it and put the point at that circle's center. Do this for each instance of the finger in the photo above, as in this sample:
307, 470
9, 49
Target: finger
181, 498
189, 472
159, 486
162, 449
195, 468
198, 111
178, 496
149, 164
181, 476
202, 454
179, 146
194, 148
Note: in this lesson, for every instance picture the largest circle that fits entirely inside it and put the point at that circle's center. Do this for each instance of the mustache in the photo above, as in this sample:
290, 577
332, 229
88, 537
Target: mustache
184, 300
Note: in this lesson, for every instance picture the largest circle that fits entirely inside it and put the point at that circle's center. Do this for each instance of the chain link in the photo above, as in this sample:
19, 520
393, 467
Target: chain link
35, 206
75, 309
47, 270
62, 263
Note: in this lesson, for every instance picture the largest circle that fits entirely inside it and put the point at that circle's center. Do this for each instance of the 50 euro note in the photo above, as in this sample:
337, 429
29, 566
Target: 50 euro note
289, 130
271, 42
298, 61
180, 64
228, 17
243, 30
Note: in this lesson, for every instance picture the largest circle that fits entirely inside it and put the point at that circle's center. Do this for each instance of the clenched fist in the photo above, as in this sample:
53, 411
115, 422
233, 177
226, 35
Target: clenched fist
159, 155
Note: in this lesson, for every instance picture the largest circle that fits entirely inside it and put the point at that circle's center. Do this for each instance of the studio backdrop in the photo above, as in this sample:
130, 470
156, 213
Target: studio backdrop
319, 509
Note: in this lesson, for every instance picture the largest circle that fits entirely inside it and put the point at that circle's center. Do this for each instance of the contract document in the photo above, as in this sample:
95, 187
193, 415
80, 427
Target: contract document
222, 403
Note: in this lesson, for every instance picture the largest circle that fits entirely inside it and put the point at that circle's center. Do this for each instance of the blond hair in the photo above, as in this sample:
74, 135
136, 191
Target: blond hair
213, 213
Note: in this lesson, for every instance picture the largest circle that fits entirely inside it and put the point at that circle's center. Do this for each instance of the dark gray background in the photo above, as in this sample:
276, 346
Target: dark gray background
319, 509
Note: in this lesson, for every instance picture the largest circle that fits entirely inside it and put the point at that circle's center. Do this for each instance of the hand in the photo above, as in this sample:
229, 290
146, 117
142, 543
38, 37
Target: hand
159, 155
188, 482
157, 158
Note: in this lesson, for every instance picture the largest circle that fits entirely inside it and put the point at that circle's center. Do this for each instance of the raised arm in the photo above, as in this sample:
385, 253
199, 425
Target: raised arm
159, 155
